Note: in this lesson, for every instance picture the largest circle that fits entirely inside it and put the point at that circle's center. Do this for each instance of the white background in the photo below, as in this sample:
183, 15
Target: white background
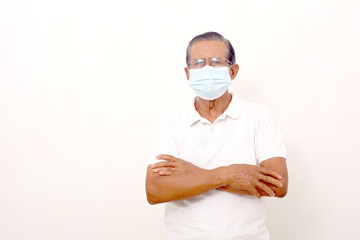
83, 83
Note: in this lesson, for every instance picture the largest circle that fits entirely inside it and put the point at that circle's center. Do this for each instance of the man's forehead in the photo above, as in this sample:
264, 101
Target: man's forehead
208, 49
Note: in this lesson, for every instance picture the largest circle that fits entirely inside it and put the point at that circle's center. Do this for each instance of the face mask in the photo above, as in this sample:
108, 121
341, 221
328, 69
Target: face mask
208, 82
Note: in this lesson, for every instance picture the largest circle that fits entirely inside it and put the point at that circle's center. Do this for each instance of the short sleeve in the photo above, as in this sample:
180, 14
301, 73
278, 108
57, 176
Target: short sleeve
269, 140
164, 142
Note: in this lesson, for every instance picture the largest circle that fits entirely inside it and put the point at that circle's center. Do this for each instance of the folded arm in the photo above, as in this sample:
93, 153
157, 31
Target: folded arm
177, 179
160, 188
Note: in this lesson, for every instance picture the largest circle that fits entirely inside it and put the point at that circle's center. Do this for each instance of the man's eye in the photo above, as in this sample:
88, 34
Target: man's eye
217, 63
198, 63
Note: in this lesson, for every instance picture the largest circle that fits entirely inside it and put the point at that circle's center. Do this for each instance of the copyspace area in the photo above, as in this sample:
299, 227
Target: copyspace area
83, 83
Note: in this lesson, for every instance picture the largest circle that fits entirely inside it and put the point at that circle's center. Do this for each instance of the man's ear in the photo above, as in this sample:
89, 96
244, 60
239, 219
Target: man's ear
234, 71
187, 72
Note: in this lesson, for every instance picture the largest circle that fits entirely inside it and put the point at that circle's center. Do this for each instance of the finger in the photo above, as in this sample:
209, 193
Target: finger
254, 192
270, 172
166, 157
163, 164
166, 172
156, 170
270, 180
266, 189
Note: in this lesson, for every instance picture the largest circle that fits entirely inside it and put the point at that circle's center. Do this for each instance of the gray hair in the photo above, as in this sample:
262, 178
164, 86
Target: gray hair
211, 36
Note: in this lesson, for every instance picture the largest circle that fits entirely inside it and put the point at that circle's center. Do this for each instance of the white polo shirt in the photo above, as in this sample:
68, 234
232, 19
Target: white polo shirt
245, 133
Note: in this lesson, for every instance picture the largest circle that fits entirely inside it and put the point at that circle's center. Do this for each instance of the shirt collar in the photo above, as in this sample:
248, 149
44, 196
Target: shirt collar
233, 110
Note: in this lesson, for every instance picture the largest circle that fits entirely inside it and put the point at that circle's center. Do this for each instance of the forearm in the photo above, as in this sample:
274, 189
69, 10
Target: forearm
161, 189
234, 190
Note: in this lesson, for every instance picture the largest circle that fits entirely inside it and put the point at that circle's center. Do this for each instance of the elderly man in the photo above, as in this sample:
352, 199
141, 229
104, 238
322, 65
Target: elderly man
213, 161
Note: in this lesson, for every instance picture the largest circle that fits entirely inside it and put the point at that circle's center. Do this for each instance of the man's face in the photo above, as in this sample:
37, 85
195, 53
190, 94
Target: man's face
210, 49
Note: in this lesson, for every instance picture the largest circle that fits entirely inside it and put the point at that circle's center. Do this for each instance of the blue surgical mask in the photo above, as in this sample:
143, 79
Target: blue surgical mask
209, 82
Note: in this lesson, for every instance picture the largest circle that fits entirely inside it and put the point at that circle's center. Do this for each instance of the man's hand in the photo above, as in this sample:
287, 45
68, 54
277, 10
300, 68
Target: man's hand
252, 178
173, 166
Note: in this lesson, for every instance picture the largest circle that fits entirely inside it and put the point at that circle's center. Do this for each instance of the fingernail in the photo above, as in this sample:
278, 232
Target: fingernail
152, 165
155, 170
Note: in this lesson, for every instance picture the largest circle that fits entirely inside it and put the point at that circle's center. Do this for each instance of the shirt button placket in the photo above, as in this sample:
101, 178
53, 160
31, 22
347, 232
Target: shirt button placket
212, 137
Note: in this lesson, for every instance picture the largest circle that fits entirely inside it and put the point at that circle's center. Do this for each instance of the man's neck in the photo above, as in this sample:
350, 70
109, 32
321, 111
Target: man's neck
212, 109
